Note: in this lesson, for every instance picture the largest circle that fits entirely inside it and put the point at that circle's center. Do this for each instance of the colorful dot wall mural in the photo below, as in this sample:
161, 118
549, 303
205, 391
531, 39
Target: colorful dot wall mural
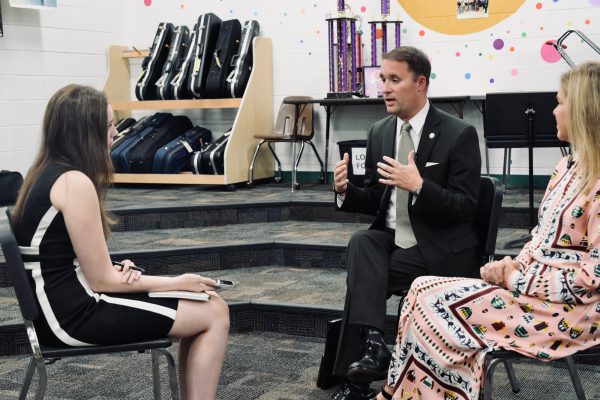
480, 52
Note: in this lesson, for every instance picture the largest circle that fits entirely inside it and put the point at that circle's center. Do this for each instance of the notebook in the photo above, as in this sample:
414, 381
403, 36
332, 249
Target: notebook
181, 294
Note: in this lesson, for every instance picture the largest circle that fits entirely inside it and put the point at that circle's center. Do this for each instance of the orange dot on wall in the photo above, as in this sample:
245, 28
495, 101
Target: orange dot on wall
421, 33
538, 6
182, 6
587, 21
378, 33
512, 49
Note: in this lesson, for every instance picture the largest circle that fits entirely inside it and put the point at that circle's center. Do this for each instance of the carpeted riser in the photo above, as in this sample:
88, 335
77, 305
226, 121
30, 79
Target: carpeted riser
129, 221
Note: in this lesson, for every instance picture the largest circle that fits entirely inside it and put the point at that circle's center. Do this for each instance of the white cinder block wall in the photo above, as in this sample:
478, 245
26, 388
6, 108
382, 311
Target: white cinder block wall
43, 50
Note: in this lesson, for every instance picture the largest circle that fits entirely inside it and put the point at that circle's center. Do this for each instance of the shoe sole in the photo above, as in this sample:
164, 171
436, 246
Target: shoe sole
362, 375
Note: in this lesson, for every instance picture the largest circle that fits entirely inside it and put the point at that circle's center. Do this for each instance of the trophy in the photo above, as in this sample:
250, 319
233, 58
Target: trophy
343, 50
385, 12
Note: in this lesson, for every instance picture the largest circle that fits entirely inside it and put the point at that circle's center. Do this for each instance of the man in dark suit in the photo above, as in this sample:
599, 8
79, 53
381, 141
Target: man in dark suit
422, 173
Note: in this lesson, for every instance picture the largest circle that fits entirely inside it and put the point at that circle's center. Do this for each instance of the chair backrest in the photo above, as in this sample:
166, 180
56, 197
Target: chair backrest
488, 214
286, 117
284, 125
16, 268
305, 129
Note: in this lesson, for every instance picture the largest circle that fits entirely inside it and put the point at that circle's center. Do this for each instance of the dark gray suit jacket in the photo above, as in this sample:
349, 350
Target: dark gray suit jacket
443, 214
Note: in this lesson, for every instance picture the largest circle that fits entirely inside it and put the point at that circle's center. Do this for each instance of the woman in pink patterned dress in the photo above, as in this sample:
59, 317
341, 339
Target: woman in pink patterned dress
544, 304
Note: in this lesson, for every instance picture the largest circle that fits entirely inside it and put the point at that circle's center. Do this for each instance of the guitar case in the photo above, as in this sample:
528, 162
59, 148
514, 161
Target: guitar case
227, 46
177, 51
152, 65
141, 156
242, 61
211, 160
119, 138
176, 155
180, 82
207, 31
124, 123
120, 150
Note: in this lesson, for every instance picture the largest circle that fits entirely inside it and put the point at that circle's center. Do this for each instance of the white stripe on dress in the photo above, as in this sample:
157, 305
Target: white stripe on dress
36, 273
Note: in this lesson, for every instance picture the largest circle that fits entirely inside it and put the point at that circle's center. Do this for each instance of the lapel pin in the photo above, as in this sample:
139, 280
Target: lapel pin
431, 135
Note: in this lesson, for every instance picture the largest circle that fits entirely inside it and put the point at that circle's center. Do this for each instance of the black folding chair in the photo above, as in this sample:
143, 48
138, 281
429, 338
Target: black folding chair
487, 219
508, 357
44, 355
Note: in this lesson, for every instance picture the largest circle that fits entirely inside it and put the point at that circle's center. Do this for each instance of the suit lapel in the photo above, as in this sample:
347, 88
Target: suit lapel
429, 136
389, 137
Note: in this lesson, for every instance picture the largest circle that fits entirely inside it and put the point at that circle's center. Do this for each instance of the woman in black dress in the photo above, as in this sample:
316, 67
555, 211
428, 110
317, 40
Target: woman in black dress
61, 227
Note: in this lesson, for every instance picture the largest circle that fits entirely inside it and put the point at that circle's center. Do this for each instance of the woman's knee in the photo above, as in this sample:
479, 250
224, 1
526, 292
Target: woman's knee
221, 312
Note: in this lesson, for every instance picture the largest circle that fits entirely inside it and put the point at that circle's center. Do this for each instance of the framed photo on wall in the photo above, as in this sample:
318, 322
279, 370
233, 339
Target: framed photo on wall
39, 4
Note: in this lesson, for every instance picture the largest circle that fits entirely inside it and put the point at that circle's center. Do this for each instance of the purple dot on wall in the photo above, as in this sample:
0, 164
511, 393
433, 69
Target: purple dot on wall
492, 80
595, 2
549, 53
498, 44
468, 75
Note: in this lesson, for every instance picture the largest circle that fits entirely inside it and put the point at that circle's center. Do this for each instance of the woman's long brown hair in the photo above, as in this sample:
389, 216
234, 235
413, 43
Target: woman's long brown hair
74, 133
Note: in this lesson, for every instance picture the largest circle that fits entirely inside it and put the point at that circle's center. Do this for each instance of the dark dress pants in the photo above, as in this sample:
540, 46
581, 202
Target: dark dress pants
377, 268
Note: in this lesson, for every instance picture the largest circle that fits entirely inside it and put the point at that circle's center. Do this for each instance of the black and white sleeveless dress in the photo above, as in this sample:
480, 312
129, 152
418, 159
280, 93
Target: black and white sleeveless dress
73, 314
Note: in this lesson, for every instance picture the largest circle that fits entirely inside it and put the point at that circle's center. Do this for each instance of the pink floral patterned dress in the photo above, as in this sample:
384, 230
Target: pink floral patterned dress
551, 309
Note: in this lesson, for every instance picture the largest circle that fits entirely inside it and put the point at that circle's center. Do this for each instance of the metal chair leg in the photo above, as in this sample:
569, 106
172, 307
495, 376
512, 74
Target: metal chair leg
251, 169
173, 384
155, 375
279, 175
295, 184
575, 378
512, 378
488, 379
28, 378
43, 379
320, 161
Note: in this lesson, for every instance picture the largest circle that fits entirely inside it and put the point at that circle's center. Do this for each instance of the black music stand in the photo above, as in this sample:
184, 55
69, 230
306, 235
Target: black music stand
518, 120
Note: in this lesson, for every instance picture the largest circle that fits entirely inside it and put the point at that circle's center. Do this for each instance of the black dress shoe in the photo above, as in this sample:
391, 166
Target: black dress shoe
351, 391
373, 365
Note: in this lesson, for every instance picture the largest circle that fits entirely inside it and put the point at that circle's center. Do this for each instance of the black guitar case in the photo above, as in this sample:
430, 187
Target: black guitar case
242, 61
179, 83
124, 123
175, 155
177, 51
118, 140
145, 89
211, 160
120, 150
228, 44
207, 32
141, 155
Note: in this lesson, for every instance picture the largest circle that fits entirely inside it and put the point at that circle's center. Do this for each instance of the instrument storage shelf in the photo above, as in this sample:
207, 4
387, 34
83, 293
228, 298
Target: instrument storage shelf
254, 116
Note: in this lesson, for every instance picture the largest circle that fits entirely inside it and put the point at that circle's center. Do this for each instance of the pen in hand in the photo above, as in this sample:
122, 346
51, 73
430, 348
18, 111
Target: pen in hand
131, 266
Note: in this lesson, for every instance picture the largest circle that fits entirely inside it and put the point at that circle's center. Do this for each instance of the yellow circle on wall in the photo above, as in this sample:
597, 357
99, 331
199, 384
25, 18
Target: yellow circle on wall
441, 15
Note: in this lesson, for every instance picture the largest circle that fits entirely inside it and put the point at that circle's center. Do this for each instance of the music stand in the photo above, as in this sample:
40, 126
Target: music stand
519, 120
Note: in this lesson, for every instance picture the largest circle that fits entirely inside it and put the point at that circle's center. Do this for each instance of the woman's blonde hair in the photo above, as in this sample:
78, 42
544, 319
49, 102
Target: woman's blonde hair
74, 133
581, 87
